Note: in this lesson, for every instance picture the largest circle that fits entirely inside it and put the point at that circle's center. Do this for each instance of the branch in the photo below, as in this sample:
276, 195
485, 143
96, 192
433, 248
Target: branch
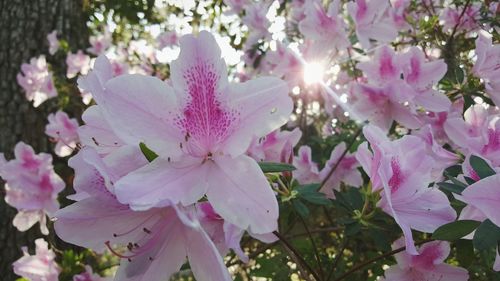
299, 260
351, 143
383, 256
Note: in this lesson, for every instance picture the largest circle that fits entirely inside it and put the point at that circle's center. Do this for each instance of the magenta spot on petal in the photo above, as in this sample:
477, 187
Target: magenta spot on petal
205, 118
362, 8
387, 68
397, 175
427, 257
415, 71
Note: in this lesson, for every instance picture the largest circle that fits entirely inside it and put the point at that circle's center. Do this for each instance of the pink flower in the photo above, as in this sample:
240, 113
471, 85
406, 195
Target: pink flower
422, 76
167, 39
53, 42
346, 171
257, 22
402, 170
36, 80
32, 187
99, 43
283, 62
469, 22
428, 265
155, 242
399, 13
236, 6
307, 170
372, 22
484, 195
478, 133
39, 267
487, 66
277, 146
62, 130
326, 28
88, 275
200, 128
385, 67
77, 63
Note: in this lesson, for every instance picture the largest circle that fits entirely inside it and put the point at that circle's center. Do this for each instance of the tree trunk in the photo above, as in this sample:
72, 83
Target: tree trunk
24, 25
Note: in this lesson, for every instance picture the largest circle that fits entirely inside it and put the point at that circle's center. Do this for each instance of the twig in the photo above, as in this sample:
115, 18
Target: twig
383, 256
351, 143
294, 254
315, 249
455, 28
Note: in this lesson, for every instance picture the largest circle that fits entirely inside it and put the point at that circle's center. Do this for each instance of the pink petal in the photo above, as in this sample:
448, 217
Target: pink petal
163, 182
485, 196
264, 106
240, 193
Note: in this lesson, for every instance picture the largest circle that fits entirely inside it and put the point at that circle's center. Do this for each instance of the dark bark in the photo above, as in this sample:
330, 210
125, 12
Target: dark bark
24, 25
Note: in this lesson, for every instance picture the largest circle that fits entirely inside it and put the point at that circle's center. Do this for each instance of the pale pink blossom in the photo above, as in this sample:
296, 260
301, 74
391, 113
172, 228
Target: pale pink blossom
484, 195
399, 13
167, 39
385, 67
39, 267
372, 21
77, 63
346, 171
208, 125
36, 80
99, 43
62, 130
32, 187
256, 20
326, 28
402, 170
88, 275
53, 42
442, 158
477, 133
155, 242
450, 18
285, 63
277, 146
428, 265
236, 6
487, 65
307, 170
422, 76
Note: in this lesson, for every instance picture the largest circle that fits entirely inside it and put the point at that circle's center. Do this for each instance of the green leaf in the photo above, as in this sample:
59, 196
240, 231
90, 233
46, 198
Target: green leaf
310, 193
487, 236
272, 167
465, 252
455, 230
480, 166
301, 208
454, 188
148, 153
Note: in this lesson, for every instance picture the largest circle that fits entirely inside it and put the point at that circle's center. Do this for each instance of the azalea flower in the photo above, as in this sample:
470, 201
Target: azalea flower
326, 28
487, 65
77, 63
477, 133
428, 265
155, 242
450, 17
484, 195
372, 22
36, 80
39, 267
307, 170
200, 128
277, 146
53, 42
346, 171
256, 20
32, 187
62, 130
167, 39
99, 43
402, 170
